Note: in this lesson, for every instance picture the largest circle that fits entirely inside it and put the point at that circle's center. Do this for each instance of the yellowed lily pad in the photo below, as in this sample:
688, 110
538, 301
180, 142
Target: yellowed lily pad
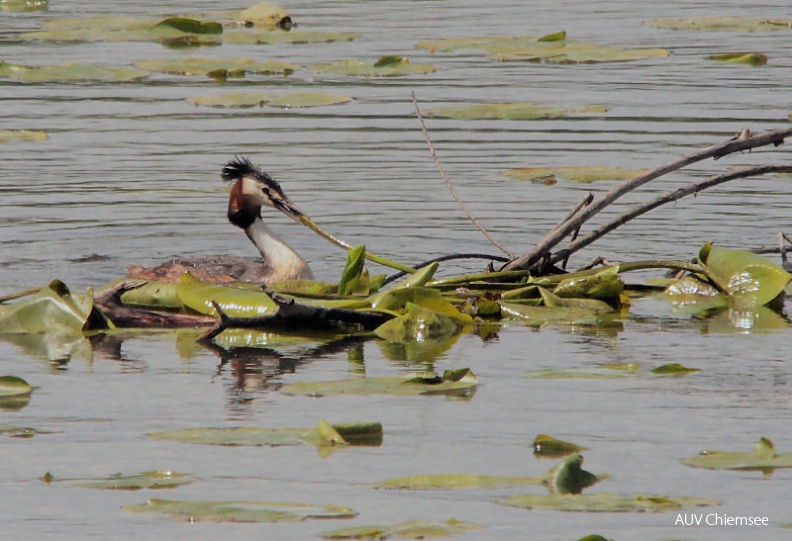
150, 480
240, 511
610, 503
749, 59
414, 529
322, 434
585, 175
231, 99
69, 73
308, 99
264, 14
763, 457
385, 67
511, 111
22, 135
722, 24
206, 66
460, 381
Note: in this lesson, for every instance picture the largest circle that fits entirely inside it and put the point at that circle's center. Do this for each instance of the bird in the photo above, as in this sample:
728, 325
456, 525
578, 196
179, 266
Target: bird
253, 188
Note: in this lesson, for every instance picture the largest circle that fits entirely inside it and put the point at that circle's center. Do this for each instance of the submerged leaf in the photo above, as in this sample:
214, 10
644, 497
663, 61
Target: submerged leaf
206, 66
149, 480
414, 529
607, 502
511, 111
763, 457
240, 511
750, 59
450, 481
722, 24
69, 73
551, 175
461, 381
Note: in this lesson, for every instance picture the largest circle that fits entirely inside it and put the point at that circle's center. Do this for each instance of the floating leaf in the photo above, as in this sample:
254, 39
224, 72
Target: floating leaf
421, 323
610, 371
69, 73
205, 66
605, 285
199, 296
22, 135
548, 447
414, 529
544, 315
308, 99
351, 275
24, 5
750, 59
149, 480
673, 369
300, 36
595, 306
551, 175
360, 68
231, 99
14, 386
722, 24
762, 458
511, 111
240, 511
22, 432
450, 481
323, 434
569, 477
153, 294
187, 26
607, 502
461, 381
748, 278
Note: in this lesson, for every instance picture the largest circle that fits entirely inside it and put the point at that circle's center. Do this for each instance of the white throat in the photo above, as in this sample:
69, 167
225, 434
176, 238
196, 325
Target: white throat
284, 262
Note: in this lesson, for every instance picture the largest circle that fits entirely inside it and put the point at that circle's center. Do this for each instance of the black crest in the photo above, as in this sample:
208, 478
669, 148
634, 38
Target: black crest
241, 167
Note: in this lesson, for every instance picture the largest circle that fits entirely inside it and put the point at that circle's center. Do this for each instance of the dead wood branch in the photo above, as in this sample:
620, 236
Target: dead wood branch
123, 316
448, 182
744, 141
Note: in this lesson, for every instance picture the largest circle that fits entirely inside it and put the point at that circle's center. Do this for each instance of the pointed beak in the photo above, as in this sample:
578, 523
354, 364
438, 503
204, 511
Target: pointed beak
288, 208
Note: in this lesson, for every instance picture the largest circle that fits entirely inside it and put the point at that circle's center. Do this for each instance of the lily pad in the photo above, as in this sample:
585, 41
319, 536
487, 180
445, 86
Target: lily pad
750, 59
307, 99
511, 111
24, 5
199, 296
154, 295
548, 447
22, 135
584, 175
610, 503
762, 458
569, 477
452, 382
323, 434
605, 285
673, 369
207, 66
722, 24
231, 99
22, 432
421, 323
151, 480
612, 371
414, 529
748, 278
12, 386
544, 315
69, 73
378, 69
450, 481
240, 511
247, 37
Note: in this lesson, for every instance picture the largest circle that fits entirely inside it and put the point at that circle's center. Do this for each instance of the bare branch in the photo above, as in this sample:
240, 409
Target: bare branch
744, 141
448, 182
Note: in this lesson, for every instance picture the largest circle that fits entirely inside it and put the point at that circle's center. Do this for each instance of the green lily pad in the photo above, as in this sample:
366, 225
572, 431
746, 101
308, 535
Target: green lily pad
247, 37
585, 175
147, 480
24, 5
594, 306
748, 278
611, 503
750, 59
23, 432
308, 99
763, 457
544, 315
511, 111
450, 481
236, 302
605, 285
323, 434
207, 66
240, 511
611, 371
569, 477
722, 24
414, 529
231, 99
12, 386
421, 323
22, 135
154, 295
548, 447
54, 309
378, 69
673, 369
461, 381
69, 73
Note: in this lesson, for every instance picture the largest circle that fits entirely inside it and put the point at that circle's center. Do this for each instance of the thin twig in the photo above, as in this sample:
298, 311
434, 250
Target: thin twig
743, 142
19, 294
448, 182
667, 197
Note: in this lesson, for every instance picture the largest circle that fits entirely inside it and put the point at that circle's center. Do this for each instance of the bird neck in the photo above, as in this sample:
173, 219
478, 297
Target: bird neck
286, 264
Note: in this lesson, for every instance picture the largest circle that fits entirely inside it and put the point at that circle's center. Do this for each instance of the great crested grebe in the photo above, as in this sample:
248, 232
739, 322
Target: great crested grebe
253, 188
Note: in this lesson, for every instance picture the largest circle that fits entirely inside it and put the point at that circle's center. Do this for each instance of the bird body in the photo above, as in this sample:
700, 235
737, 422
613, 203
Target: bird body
252, 189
